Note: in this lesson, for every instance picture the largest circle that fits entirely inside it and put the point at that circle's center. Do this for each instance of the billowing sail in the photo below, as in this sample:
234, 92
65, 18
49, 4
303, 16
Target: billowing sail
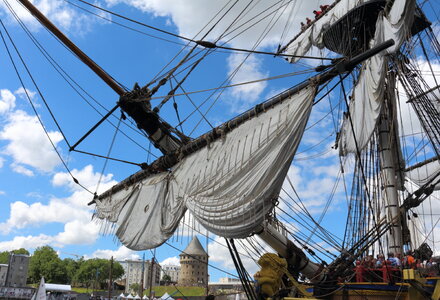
229, 186
369, 90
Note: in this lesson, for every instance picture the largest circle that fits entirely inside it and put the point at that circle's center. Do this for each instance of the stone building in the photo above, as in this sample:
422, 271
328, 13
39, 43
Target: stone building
172, 271
17, 270
133, 273
193, 265
3, 273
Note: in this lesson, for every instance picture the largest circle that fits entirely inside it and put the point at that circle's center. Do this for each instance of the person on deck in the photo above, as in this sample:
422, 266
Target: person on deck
379, 261
303, 26
323, 8
317, 14
392, 259
308, 21
410, 262
398, 259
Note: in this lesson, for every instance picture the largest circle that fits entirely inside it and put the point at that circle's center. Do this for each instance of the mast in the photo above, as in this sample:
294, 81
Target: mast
391, 199
141, 288
110, 283
151, 274
135, 103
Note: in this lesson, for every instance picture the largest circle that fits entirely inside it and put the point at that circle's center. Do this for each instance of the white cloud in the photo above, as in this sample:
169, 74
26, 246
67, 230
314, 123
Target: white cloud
2, 162
219, 253
242, 70
2, 193
122, 253
86, 177
28, 144
27, 242
78, 233
58, 210
75, 233
175, 261
22, 170
24, 93
55, 10
7, 101
71, 211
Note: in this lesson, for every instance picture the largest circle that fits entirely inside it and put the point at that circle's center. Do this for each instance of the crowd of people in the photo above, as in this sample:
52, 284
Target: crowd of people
318, 14
372, 268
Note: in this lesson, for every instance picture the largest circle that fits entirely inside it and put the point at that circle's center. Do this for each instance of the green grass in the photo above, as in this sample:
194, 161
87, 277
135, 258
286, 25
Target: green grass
160, 290
81, 290
177, 291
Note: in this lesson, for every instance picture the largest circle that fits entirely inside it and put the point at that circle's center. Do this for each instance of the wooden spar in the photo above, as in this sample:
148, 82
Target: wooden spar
421, 164
158, 131
167, 161
78, 52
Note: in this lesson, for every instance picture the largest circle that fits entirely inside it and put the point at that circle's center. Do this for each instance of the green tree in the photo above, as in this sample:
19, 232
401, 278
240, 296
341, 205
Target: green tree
46, 263
134, 287
96, 272
4, 256
166, 278
72, 267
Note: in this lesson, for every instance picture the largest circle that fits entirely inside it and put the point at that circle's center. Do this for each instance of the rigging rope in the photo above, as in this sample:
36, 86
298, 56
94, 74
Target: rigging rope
33, 106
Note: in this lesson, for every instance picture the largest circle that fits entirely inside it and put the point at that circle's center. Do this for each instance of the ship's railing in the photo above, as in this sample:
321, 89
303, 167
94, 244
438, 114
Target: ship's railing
387, 273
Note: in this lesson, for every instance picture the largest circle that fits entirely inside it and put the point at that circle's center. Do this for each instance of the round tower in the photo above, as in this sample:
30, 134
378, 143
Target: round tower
193, 265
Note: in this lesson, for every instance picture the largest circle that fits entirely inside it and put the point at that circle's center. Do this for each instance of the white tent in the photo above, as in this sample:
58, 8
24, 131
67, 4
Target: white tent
121, 296
137, 297
129, 296
166, 296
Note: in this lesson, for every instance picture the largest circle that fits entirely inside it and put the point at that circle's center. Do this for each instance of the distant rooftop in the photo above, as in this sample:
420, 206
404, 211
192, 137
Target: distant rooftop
194, 248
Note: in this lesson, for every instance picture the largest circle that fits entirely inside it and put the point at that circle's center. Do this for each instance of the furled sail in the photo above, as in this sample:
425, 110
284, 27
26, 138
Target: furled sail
229, 186
313, 35
368, 93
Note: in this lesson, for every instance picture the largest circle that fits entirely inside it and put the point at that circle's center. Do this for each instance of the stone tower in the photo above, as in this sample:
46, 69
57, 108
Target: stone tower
193, 265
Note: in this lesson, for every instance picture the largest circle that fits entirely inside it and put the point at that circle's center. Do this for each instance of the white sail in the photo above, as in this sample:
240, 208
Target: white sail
229, 186
40, 293
427, 173
368, 94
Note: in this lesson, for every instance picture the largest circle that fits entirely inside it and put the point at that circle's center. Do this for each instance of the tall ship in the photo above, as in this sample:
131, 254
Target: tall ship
374, 64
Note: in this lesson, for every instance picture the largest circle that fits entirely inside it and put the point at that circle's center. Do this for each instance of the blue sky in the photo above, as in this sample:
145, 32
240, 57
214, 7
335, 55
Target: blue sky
39, 202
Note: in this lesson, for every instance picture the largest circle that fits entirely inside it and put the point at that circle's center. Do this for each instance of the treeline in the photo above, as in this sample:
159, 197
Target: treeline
46, 263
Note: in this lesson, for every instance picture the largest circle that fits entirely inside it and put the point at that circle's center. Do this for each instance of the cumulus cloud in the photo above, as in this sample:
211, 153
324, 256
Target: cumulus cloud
219, 253
57, 11
242, 69
27, 242
71, 211
122, 253
57, 210
28, 145
87, 177
7, 101
175, 261
77, 232
24, 93
21, 170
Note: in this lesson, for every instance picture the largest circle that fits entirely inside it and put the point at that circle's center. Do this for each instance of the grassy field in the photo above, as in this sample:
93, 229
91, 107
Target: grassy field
84, 290
160, 290
177, 291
